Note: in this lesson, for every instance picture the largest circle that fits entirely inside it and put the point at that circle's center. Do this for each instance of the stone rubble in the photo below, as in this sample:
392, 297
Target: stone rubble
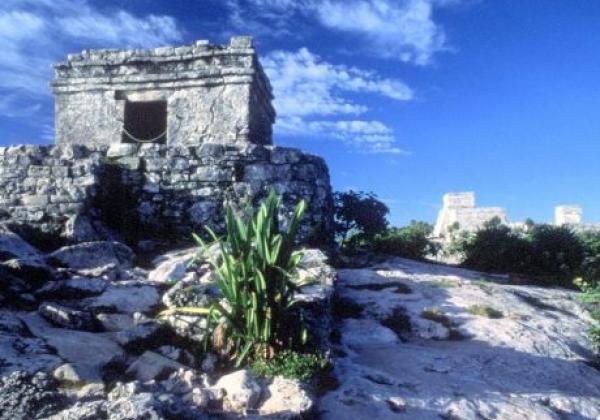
407, 345
92, 323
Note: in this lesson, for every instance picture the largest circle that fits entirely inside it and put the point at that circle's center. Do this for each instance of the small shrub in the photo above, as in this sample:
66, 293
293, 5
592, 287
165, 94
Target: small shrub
594, 334
547, 254
486, 311
291, 365
256, 272
591, 299
590, 268
556, 250
359, 216
410, 241
497, 248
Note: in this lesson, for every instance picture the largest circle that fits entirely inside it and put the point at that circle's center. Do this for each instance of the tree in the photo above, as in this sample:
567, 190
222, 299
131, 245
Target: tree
359, 216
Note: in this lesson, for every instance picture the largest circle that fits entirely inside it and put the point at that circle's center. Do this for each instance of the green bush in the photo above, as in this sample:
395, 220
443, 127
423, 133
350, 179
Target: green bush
359, 216
547, 253
409, 241
486, 311
590, 268
591, 299
255, 270
291, 365
556, 250
496, 247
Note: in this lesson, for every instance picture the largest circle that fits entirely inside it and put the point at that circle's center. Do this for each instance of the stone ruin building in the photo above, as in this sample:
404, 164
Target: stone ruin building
572, 216
459, 211
154, 143
567, 215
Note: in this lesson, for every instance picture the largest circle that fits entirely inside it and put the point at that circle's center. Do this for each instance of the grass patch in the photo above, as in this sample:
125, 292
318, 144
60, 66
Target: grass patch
486, 311
591, 298
594, 333
443, 284
291, 365
436, 315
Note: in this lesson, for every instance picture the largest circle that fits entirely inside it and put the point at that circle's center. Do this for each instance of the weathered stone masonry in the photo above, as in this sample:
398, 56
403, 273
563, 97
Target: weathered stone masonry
146, 191
155, 143
209, 94
49, 188
181, 189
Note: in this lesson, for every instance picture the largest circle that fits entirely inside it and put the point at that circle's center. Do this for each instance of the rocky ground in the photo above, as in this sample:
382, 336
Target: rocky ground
81, 338
424, 341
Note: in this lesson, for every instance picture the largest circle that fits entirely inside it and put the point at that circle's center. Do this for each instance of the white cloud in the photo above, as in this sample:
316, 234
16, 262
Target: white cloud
398, 29
121, 28
305, 84
17, 29
12, 106
364, 136
308, 89
36, 33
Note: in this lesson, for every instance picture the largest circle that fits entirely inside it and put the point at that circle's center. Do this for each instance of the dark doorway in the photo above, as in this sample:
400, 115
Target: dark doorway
145, 122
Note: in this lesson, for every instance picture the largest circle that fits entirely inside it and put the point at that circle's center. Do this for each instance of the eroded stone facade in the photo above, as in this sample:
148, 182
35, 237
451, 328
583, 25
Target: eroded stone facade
210, 94
460, 212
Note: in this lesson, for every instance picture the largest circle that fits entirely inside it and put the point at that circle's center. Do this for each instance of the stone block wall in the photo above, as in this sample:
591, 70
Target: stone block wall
155, 191
49, 188
181, 189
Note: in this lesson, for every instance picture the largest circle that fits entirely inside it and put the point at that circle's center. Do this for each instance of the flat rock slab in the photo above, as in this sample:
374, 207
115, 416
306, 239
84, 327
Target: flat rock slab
89, 255
151, 365
13, 246
124, 299
529, 359
87, 352
19, 350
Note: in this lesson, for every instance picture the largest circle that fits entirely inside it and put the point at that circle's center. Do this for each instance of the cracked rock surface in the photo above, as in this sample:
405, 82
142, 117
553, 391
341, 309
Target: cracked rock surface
426, 341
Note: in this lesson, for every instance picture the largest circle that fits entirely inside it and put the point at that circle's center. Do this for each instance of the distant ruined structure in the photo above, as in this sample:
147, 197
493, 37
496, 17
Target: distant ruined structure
155, 143
572, 216
567, 215
459, 212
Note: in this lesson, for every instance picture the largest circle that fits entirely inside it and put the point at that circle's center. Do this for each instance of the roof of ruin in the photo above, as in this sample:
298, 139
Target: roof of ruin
232, 63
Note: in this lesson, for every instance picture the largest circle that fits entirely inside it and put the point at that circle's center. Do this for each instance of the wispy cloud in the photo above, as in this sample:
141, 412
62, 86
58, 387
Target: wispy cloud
403, 30
36, 33
11, 106
305, 84
120, 28
309, 89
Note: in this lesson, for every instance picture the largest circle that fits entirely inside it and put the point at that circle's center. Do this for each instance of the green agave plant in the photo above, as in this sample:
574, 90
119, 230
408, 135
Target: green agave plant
255, 271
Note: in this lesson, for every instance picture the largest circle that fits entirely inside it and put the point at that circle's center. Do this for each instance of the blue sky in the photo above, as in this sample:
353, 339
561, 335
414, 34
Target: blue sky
407, 98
